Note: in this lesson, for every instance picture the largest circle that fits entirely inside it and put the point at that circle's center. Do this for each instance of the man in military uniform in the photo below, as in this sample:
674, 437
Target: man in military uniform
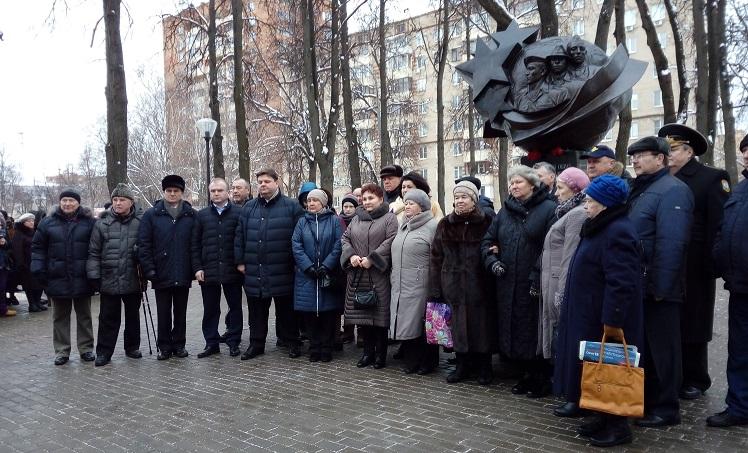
711, 188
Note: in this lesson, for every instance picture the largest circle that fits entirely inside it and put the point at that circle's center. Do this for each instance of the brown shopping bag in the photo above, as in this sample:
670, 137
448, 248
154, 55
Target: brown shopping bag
613, 389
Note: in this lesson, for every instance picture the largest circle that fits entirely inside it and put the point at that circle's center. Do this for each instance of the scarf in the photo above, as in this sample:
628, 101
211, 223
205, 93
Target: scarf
565, 206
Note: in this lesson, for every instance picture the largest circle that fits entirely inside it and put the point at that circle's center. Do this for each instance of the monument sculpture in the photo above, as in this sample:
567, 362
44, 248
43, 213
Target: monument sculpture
549, 96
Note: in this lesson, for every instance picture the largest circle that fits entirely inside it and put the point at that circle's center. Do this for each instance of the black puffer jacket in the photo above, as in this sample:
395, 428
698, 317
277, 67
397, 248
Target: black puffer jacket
59, 252
263, 245
112, 252
519, 231
213, 244
164, 246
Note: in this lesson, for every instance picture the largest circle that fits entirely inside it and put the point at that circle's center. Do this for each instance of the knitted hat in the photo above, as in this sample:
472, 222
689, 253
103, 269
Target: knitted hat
25, 217
468, 188
420, 197
174, 181
657, 145
122, 190
391, 170
70, 193
350, 198
525, 172
743, 143
319, 194
418, 181
608, 190
576, 179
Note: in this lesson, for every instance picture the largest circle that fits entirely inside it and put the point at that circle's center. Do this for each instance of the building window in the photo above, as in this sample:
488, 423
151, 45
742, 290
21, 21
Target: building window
456, 29
423, 108
657, 98
456, 78
458, 125
657, 13
401, 85
423, 152
455, 54
481, 168
579, 27
609, 136
634, 131
458, 171
399, 62
629, 18
421, 85
631, 45
662, 37
421, 62
425, 173
456, 101
577, 4
657, 125
456, 149
423, 130
634, 101
400, 28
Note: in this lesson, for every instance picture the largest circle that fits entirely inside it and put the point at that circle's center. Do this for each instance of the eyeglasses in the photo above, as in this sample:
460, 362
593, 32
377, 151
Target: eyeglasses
638, 156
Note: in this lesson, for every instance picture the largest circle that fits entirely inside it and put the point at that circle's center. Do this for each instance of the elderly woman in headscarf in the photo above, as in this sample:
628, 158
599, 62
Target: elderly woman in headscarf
411, 259
558, 249
414, 180
603, 295
511, 251
458, 279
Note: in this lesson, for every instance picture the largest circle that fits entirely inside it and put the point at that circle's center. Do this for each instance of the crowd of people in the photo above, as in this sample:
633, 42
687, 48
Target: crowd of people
568, 257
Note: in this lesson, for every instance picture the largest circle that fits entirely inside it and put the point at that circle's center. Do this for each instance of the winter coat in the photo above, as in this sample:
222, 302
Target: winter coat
316, 242
263, 245
21, 248
112, 252
164, 246
662, 215
369, 235
519, 231
731, 248
604, 287
59, 253
411, 261
213, 245
710, 188
559, 247
486, 205
458, 279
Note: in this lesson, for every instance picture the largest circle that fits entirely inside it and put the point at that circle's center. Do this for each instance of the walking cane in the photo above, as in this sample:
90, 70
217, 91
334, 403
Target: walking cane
150, 315
147, 303
147, 332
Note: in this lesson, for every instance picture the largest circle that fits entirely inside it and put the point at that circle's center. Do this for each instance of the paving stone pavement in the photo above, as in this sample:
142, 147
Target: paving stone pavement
274, 403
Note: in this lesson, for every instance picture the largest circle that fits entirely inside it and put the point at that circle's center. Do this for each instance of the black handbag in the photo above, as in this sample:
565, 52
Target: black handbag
364, 299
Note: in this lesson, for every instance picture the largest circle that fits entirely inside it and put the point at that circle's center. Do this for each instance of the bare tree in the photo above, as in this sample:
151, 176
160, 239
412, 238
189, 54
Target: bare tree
215, 105
702, 65
684, 87
351, 134
497, 10
441, 63
242, 140
548, 18
116, 97
603, 24
713, 33
624, 118
728, 115
385, 148
9, 180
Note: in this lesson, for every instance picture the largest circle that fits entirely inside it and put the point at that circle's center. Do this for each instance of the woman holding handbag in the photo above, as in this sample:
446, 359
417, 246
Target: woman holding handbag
458, 279
316, 250
603, 295
366, 247
411, 253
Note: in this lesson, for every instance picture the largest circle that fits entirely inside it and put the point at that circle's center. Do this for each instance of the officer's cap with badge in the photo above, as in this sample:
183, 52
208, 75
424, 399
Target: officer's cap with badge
679, 134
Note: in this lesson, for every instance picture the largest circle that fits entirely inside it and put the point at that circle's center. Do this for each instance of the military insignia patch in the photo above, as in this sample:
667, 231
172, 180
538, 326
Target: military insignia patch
725, 185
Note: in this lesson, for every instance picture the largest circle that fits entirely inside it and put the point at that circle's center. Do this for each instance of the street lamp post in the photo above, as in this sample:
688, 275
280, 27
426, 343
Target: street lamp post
207, 126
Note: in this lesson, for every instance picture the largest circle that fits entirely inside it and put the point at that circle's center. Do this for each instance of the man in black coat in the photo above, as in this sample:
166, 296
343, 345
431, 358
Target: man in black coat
58, 262
731, 257
262, 249
214, 267
164, 251
660, 206
112, 268
710, 187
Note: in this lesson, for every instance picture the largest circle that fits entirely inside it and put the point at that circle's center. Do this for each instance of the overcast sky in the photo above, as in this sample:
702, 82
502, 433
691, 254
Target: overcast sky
52, 80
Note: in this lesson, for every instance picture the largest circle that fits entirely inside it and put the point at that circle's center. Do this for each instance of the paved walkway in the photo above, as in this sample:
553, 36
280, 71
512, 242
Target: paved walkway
274, 403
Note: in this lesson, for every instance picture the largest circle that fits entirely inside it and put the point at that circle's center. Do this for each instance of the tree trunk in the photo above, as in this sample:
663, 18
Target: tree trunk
603, 25
702, 66
624, 118
215, 107
310, 82
497, 10
116, 98
664, 77
326, 161
351, 135
713, 31
548, 18
503, 167
242, 141
385, 149
469, 109
728, 115
684, 88
442, 63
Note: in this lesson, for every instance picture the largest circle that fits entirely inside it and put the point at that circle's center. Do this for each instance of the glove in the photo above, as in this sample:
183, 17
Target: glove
322, 272
311, 272
95, 284
534, 289
498, 269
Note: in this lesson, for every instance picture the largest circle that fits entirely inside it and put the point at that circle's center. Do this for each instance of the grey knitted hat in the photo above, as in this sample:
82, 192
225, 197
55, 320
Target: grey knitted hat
420, 198
123, 190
